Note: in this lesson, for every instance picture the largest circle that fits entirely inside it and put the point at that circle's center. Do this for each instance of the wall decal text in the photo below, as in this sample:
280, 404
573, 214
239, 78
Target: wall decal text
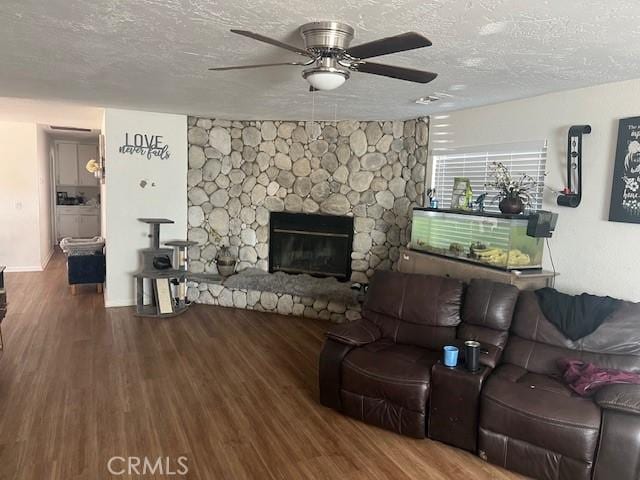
147, 145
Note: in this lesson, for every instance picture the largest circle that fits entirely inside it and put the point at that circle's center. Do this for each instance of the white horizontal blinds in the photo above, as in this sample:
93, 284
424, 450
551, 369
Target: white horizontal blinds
474, 163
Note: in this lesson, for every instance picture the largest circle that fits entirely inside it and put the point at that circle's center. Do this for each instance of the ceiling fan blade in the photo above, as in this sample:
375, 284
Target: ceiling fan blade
242, 67
271, 41
384, 46
401, 73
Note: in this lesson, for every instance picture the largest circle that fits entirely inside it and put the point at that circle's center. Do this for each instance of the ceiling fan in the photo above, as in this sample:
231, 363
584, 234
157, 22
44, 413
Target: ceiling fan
330, 59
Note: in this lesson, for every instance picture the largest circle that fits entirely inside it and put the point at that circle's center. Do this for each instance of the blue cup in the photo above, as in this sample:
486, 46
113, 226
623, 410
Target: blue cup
450, 356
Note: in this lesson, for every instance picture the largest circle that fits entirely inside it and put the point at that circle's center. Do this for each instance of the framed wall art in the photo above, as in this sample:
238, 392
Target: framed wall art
625, 189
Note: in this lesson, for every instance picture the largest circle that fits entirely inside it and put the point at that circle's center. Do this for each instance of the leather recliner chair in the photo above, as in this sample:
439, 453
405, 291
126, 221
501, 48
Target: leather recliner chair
532, 423
378, 369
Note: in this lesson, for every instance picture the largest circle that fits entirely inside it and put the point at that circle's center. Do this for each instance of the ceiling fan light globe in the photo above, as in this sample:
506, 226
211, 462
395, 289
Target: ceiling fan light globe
326, 80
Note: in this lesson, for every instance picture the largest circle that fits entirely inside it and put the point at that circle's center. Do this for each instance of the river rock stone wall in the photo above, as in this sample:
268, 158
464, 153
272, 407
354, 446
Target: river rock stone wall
240, 171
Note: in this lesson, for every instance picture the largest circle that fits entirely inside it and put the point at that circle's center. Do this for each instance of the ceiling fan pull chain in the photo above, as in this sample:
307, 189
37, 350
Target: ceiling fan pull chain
313, 107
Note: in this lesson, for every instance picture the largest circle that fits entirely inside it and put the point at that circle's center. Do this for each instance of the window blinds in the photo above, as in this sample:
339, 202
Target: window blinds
474, 163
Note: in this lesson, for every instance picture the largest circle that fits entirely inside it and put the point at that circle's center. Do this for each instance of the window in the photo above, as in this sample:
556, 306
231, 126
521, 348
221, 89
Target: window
474, 163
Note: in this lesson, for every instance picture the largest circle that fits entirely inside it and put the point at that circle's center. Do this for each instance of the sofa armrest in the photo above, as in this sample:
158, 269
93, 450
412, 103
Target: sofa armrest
621, 397
356, 333
490, 355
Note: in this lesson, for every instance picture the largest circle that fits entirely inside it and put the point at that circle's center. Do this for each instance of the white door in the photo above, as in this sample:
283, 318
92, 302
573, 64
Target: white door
89, 226
68, 225
67, 164
86, 153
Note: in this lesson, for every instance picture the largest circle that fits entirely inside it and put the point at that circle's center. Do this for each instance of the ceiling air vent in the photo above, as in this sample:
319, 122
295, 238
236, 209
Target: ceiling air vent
429, 99
70, 129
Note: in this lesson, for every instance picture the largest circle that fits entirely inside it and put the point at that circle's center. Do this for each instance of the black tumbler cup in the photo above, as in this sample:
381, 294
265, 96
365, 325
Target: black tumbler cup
472, 355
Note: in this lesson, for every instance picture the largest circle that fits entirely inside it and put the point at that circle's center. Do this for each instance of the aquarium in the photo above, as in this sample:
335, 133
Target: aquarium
495, 240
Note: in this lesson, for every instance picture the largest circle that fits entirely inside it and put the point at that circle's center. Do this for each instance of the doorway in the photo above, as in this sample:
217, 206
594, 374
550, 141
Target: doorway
76, 191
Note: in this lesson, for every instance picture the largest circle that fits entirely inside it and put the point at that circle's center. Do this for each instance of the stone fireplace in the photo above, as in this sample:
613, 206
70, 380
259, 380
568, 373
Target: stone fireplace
243, 173
319, 245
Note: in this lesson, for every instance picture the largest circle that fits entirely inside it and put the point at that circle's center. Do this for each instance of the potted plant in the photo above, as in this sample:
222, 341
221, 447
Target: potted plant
225, 260
514, 193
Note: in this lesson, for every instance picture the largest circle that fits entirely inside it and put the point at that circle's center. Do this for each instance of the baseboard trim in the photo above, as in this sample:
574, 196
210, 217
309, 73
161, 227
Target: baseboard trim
34, 268
119, 303
46, 261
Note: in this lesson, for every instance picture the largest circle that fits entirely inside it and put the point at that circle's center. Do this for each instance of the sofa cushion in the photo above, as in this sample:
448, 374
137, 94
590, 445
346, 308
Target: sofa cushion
421, 299
486, 317
621, 397
489, 304
397, 373
537, 345
541, 411
355, 333
420, 310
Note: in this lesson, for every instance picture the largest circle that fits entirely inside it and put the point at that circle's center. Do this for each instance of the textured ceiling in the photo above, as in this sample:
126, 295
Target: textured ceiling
154, 54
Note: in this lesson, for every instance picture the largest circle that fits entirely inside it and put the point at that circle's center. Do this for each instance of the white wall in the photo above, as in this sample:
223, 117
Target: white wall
19, 197
591, 253
125, 200
26, 235
50, 113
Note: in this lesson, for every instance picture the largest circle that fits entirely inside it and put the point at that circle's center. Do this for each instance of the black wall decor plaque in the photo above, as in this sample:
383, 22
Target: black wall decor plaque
625, 189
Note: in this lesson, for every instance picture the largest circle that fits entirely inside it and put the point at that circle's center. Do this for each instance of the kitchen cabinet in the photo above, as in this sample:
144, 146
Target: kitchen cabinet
71, 161
67, 164
89, 226
67, 226
77, 221
86, 153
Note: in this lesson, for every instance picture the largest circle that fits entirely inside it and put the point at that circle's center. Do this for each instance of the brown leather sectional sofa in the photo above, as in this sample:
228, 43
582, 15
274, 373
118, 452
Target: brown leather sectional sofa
516, 412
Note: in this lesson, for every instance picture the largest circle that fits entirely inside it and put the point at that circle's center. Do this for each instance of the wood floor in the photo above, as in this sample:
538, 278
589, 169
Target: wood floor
233, 390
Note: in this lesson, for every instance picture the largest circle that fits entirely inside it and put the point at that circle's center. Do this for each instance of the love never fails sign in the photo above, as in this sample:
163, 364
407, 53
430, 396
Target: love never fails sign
148, 146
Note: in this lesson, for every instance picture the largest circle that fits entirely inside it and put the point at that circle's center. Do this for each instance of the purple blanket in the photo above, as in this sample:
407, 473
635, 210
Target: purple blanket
586, 378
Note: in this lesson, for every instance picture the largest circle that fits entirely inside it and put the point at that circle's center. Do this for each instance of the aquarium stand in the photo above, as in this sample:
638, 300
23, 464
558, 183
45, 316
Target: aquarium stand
412, 261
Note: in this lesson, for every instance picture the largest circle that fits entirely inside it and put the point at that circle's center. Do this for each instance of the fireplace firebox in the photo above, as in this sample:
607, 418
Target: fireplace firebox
316, 244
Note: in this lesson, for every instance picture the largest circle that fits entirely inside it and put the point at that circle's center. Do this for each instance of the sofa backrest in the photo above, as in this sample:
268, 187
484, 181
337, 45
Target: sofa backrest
486, 317
535, 344
412, 309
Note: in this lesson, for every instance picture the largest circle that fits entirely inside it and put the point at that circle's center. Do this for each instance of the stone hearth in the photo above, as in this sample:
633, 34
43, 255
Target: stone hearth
240, 171
284, 293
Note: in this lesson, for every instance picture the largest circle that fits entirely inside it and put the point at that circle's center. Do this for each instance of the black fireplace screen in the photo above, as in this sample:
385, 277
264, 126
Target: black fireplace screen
311, 243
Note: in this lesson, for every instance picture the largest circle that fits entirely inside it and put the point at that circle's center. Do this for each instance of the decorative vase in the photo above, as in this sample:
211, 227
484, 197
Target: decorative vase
226, 265
511, 205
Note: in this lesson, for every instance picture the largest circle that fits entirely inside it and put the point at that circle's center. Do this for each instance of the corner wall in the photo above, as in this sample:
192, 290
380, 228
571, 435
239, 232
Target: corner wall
45, 195
590, 253
137, 186
239, 172
19, 199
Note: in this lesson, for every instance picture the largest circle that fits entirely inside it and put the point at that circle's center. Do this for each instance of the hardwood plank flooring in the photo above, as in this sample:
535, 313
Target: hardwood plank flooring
235, 391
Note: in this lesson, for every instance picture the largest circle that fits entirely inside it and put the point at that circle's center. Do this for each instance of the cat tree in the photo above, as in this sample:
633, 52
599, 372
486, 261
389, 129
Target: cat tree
164, 286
